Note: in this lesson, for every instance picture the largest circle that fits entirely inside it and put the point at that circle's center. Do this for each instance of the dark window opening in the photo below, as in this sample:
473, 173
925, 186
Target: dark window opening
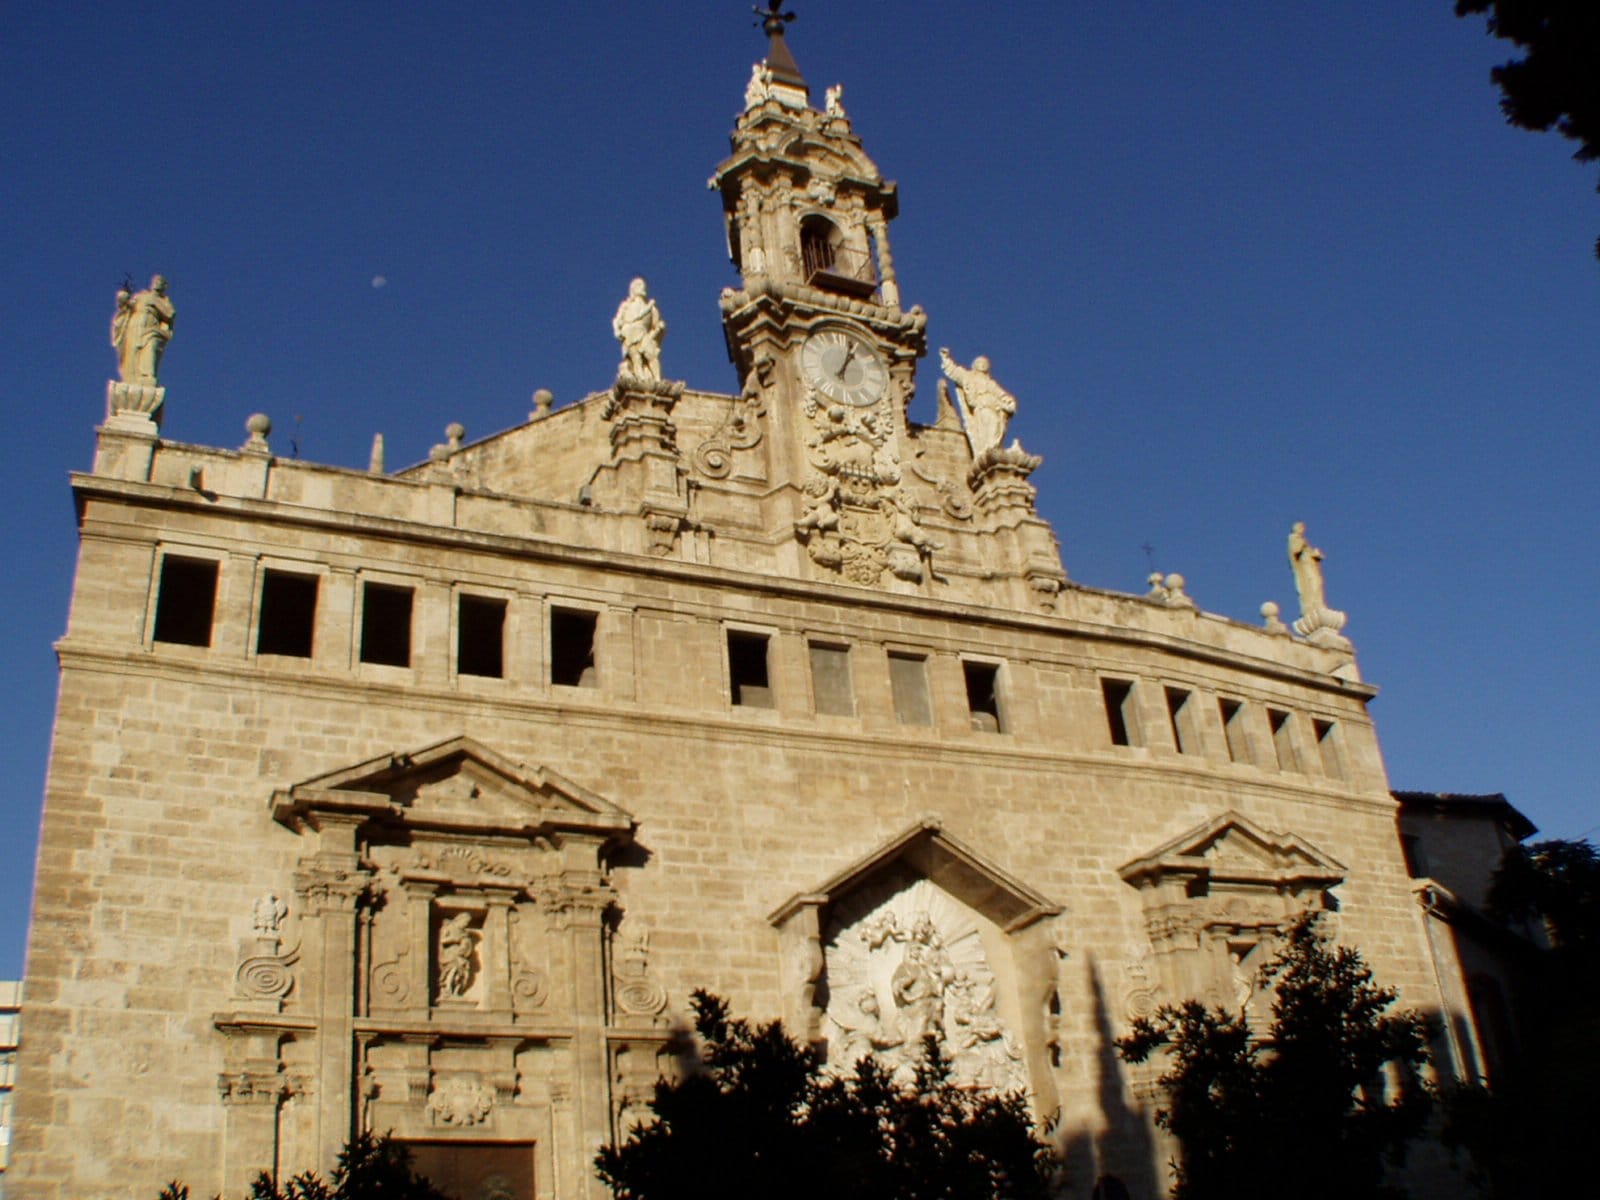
983, 700
830, 263
1328, 748
830, 681
747, 669
1233, 730
1282, 739
908, 678
480, 636
572, 648
186, 601
1416, 860
288, 614
1118, 695
1177, 708
386, 625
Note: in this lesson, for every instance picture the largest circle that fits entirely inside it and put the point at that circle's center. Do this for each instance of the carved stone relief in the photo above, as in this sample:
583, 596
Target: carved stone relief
461, 1101
637, 992
904, 964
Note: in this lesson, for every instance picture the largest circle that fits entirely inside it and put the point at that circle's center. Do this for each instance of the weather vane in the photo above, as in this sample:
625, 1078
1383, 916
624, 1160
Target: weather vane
772, 20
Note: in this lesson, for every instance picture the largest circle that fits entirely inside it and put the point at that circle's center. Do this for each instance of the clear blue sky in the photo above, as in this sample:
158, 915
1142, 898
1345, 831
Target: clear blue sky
1242, 263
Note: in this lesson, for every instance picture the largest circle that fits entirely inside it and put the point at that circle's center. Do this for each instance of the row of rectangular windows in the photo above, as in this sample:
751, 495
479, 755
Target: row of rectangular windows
186, 604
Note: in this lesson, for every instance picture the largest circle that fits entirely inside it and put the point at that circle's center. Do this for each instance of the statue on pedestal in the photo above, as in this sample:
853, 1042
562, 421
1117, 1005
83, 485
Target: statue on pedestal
140, 331
1318, 623
985, 406
640, 329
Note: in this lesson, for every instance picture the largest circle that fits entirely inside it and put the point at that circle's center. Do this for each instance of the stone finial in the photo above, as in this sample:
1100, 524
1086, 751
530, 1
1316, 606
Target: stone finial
640, 329
985, 406
258, 426
542, 400
1270, 621
375, 463
1318, 623
453, 434
1176, 596
1158, 587
140, 331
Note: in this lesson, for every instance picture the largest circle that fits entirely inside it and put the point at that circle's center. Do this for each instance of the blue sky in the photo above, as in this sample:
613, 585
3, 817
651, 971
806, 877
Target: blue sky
1242, 264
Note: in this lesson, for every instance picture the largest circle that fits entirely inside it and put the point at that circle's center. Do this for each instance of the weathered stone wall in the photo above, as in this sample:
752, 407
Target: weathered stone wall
157, 834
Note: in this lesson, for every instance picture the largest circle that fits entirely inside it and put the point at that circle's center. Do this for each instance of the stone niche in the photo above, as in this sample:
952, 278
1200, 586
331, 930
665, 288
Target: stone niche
462, 977
923, 938
1216, 901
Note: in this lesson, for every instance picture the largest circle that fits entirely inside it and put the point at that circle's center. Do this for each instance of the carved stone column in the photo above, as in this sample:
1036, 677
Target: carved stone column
1004, 504
644, 456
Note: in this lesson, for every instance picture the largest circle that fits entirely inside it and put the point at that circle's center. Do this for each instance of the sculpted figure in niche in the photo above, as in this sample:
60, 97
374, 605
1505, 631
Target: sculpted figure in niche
985, 406
640, 329
1307, 562
140, 331
455, 955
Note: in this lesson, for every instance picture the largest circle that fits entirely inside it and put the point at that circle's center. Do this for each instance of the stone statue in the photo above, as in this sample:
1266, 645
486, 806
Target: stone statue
834, 101
455, 955
640, 329
1307, 562
140, 331
985, 406
1318, 623
759, 88
267, 913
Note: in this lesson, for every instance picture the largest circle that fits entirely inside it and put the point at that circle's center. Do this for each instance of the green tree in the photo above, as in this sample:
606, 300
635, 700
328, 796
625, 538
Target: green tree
1556, 84
369, 1168
1317, 1107
756, 1114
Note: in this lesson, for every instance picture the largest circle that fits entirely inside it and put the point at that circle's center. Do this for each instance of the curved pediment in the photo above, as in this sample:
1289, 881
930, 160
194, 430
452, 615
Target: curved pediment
456, 785
1231, 849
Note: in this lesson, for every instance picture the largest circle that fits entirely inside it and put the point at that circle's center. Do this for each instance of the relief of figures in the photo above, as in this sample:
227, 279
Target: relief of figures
456, 958
913, 968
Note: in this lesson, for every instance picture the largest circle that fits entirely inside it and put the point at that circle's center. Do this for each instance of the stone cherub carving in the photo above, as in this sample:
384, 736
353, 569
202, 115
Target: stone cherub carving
1318, 622
834, 100
985, 406
640, 329
140, 331
267, 914
455, 955
759, 89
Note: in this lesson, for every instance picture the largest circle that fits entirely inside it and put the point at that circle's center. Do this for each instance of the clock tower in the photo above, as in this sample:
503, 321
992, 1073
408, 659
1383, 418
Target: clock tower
828, 358
816, 329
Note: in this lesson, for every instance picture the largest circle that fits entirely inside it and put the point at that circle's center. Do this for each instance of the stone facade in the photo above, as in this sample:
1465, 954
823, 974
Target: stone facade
422, 801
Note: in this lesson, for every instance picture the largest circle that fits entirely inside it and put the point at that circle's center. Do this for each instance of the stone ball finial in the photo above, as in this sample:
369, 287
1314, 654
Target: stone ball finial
542, 400
453, 433
439, 453
258, 425
1270, 620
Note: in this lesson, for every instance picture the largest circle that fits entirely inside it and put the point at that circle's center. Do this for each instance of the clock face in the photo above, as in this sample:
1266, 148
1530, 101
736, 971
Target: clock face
844, 367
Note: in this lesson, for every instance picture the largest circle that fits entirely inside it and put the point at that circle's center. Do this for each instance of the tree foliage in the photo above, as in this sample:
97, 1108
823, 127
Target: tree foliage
758, 1115
1556, 84
1315, 1108
369, 1168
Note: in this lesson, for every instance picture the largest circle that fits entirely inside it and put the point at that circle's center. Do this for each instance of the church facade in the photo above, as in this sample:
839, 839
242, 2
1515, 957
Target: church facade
421, 801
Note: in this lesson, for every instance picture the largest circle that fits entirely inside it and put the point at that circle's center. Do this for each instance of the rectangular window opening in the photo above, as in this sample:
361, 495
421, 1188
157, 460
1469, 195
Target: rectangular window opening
186, 601
830, 681
1118, 696
908, 678
1282, 739
1328, 748
1416, 860
747, 669
386, 625
288, 614
1233, 730
572, 662
1177, 714
983, 695
480, 636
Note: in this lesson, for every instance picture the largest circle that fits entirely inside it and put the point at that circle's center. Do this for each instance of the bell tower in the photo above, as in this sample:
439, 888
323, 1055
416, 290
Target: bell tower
816, 329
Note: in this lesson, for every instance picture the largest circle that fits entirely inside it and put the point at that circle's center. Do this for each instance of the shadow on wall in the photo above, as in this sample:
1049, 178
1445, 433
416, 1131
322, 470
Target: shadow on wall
1120, 1161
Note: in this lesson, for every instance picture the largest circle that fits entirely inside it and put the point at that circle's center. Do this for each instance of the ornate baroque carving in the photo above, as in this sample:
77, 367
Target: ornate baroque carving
912, 968
637, 993
460, 1101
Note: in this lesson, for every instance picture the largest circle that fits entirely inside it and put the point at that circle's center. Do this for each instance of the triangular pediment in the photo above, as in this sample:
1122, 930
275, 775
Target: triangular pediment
1230, 848
457, 785
926, 850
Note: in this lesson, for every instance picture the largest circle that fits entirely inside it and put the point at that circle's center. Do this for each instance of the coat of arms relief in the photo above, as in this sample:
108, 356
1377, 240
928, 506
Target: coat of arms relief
908, 963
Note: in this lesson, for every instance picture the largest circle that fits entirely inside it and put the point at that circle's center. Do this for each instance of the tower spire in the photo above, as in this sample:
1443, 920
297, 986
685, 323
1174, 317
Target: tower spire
780, 63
